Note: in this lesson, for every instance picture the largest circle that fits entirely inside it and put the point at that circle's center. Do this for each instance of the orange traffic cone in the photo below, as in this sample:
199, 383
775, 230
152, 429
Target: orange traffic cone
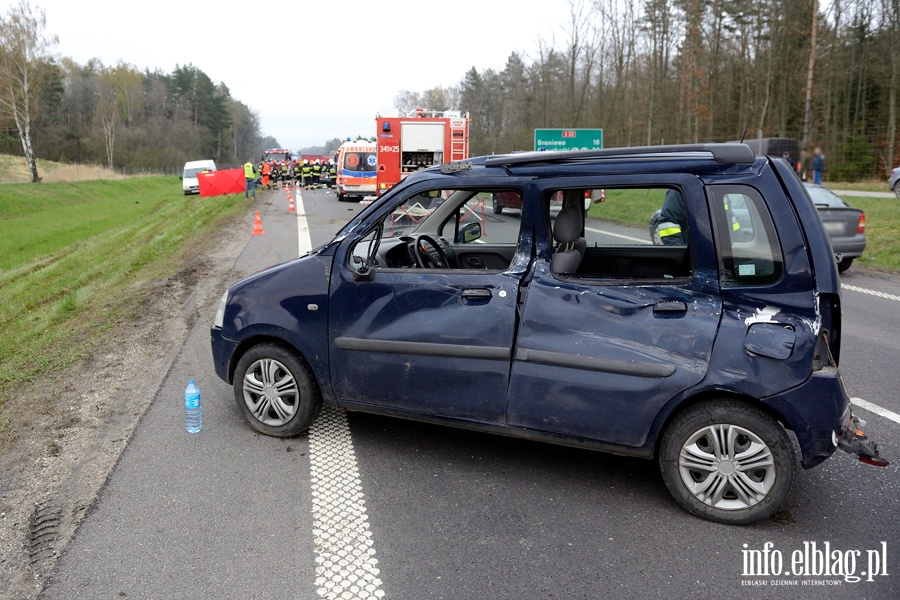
257, 225
291, 207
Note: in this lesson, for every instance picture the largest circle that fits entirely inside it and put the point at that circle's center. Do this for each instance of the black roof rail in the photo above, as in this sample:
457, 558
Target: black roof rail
721, 153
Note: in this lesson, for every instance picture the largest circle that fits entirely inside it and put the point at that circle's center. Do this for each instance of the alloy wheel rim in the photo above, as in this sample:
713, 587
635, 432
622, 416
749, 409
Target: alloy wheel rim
270, 392
727, 467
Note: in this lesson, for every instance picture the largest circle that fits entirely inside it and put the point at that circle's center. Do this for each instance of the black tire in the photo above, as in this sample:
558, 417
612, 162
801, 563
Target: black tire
897, 189
341, 197
844, 264
285, 410
697, 431
498, 210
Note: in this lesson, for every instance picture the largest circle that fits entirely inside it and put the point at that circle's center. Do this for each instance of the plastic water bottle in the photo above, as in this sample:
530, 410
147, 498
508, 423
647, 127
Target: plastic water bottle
194, 414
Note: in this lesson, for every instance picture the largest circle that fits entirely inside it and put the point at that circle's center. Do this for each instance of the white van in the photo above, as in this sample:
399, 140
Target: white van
189, 178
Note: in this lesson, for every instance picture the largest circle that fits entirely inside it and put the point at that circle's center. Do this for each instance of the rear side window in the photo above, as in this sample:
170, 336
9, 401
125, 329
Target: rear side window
748, 246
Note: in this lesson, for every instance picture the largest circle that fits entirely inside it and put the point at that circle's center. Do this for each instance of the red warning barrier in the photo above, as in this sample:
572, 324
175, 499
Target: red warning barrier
219, 183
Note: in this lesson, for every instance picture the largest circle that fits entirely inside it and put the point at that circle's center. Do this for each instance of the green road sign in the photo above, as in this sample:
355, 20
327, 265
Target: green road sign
568, 139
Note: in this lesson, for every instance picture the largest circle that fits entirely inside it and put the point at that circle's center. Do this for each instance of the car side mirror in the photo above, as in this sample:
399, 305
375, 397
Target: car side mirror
361, 269
469, 233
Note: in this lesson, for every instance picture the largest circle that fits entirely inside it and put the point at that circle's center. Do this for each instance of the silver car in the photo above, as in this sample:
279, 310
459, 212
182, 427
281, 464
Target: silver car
845, 225
894, 181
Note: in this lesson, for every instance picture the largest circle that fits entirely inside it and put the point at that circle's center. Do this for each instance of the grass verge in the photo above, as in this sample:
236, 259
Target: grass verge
70, 254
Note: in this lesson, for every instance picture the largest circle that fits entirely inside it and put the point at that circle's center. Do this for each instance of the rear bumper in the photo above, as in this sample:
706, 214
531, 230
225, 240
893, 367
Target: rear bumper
815, 411
851, 247
222, 351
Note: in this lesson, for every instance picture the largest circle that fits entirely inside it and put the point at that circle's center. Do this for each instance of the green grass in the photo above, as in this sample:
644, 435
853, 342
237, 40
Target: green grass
629, 207
859, 186
70, 253
882, 233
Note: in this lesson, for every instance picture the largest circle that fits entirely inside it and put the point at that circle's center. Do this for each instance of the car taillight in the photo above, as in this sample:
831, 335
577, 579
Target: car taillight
861, 228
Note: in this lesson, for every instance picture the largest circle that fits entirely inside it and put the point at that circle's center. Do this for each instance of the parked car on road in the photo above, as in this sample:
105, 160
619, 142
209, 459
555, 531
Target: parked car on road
845, 225
894, 181
706, 357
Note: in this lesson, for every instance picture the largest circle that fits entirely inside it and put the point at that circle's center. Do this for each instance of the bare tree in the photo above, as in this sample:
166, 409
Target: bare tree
108, 113
24, 46
807, 111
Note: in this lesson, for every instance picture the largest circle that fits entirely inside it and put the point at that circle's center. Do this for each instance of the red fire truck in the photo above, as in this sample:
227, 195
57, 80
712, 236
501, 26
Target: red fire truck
418, 140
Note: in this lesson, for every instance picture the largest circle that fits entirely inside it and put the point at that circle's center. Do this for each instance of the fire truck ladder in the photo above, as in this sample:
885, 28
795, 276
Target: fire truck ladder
459, 143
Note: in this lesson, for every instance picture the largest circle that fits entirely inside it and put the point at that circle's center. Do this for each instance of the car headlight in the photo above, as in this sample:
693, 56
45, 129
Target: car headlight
220, 312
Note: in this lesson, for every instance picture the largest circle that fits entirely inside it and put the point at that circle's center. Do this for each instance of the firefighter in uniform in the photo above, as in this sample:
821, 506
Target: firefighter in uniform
305, 174
316, 173
332, 172
295, 172
672, 225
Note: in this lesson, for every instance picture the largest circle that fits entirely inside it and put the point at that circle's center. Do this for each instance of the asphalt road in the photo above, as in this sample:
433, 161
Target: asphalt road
227, 513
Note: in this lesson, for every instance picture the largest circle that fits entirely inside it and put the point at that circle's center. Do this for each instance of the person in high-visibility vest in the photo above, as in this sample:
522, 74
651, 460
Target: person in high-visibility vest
332, 171
672, 225
266, 169
250, 180
316, 173
306, 173
295, 172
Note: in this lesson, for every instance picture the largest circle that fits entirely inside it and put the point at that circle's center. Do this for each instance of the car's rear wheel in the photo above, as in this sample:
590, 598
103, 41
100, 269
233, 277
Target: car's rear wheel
497, 208
727, 461
275, 391
897, 189
844, 264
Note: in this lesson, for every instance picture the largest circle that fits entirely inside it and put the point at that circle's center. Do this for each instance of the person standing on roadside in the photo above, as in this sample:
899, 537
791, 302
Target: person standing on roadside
266, 169
250, 179
818, 165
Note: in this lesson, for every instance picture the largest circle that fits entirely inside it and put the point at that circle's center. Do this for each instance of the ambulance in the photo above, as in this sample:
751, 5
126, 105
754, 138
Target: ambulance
418, 140
356, 164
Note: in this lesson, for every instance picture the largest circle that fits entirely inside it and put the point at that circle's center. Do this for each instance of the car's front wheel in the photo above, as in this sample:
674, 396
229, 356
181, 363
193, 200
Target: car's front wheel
897, 189
275, 391
727, 461
498, 210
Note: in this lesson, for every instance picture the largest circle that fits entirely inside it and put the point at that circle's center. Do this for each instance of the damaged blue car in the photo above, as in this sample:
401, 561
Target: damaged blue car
705, 345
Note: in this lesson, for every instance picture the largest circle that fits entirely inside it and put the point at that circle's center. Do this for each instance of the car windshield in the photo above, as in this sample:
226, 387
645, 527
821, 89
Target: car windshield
412, 213
824, 197
193, 172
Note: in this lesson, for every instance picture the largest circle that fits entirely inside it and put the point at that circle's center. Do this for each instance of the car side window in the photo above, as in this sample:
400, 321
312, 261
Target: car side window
627, 234
748, 246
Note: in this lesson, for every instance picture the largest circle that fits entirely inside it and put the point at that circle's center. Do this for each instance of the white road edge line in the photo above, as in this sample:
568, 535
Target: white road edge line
303, 239
874, 408
619, 235
345, 553
854, 288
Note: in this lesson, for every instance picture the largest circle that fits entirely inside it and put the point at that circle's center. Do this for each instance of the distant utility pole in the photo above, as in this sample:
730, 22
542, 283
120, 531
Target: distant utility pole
807, 111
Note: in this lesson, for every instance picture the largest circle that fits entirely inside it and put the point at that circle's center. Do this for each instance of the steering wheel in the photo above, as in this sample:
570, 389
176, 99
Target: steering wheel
422, 254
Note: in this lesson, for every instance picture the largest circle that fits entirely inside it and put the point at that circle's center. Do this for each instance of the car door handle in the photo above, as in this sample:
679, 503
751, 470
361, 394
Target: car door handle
476, 294
670, 306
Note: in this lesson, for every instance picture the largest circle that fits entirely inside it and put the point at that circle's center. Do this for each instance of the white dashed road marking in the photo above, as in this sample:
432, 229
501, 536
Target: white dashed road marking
345, 553
854, 288
874, 408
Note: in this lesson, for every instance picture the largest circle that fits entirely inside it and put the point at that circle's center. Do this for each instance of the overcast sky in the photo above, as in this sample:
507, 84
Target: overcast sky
313, 71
